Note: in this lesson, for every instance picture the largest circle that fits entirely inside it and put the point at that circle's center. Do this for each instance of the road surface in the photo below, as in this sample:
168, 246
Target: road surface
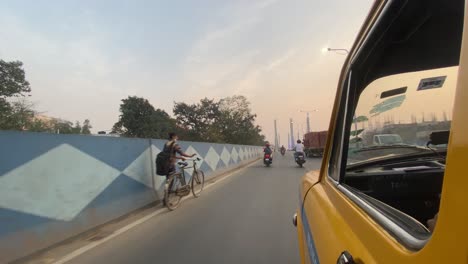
246, 218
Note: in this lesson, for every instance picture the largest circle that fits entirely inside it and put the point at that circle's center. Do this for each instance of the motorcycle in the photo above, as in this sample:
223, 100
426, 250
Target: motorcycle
300, 160
283, 151
267, 160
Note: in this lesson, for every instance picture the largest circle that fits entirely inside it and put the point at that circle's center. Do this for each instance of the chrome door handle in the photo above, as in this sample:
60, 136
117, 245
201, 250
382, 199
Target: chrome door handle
345, 258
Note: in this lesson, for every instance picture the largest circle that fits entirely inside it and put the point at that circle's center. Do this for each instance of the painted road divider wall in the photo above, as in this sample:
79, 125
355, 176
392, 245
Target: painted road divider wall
53, 187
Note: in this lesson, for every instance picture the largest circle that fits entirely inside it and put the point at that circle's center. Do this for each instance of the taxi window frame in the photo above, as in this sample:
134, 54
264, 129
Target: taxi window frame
338, 153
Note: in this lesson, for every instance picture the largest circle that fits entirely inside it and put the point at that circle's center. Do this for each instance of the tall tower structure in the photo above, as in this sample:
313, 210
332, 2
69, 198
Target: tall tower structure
291, 127
276, 137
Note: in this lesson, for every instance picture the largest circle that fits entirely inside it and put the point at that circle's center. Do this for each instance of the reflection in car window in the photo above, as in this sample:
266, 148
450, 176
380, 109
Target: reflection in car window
403, 119
389, 158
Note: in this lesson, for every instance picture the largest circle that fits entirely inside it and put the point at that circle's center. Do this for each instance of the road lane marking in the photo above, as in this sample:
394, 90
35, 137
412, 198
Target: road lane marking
122, 230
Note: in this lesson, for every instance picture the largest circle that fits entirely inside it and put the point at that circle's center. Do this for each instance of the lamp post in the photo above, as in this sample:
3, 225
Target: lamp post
291, 124
346, 52
308, 118
276, 137
338, 50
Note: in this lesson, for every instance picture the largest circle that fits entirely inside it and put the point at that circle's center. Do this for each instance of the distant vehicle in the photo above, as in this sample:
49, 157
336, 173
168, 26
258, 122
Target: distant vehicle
387, 139
267, 160
314, 143
104, 134
300, 160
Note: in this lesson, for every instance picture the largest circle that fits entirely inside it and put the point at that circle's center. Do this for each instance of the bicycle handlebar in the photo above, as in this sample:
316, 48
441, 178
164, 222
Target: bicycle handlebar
197, 159
185, 164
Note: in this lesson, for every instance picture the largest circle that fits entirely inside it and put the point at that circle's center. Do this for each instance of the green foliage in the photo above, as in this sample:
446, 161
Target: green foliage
5, 112
38, 125
86, 128
77, 128
20, 114
64, 127
17, 115
199, 120
237, 123
138, 118
12, 84
356, 132
228, 120
12, 79
360, 119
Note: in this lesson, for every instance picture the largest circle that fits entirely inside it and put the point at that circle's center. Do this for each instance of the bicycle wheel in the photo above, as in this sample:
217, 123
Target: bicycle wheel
171, 198
198, 181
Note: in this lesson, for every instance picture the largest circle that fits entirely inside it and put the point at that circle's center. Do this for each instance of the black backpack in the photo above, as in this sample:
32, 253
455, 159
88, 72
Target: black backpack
163, 160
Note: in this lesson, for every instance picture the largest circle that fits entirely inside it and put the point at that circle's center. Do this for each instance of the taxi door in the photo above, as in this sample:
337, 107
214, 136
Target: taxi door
416, 49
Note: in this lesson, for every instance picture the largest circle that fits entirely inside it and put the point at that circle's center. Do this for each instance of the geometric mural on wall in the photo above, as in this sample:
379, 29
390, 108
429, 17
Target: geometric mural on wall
59, 183
212, 158
138, 169
225, 156
234, 155
56, 190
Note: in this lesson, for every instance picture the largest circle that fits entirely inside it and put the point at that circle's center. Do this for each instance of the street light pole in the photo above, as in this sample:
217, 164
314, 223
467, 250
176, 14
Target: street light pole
276, 137
292, 131
345, 50
308, 117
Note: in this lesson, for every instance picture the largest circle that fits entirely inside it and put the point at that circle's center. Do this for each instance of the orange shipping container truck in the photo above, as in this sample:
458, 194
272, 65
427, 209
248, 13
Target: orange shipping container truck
314, 143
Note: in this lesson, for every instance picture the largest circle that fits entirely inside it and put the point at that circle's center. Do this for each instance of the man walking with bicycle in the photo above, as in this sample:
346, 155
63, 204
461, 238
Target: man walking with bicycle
172, 148
175, 181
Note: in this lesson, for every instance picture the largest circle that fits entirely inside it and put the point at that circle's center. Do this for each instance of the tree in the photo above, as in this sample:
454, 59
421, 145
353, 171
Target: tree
238, 123
13, 79
12, 83
86, 128
18, 116
38, 125
199, 120
77, 128
138, 118
226, 121
5, 113
63, 127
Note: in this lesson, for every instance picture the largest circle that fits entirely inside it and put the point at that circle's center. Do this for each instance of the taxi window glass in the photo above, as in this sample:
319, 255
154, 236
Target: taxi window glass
390, 155
400, 124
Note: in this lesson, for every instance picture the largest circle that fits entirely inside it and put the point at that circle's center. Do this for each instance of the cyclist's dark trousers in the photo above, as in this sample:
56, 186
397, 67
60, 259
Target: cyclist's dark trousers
171, 171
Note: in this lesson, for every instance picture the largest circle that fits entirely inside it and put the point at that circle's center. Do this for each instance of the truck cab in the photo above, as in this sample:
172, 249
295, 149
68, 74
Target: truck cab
373, 201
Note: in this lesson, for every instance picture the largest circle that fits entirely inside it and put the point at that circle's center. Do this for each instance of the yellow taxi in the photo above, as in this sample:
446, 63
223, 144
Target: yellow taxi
393, 185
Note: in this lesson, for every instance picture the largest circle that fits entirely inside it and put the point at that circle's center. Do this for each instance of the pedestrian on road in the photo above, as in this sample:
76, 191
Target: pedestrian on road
173, 148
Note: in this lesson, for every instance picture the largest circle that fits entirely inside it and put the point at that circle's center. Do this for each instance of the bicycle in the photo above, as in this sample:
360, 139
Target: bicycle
176, 188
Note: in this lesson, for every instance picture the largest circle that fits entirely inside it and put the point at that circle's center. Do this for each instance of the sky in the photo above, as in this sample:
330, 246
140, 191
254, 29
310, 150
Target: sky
83, 57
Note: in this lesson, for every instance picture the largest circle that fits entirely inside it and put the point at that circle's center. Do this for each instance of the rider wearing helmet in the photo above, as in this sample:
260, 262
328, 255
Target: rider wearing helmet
299, 148
267, 149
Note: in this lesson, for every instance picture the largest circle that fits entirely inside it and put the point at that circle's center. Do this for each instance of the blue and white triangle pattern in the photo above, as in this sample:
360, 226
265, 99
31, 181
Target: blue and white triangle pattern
63, 181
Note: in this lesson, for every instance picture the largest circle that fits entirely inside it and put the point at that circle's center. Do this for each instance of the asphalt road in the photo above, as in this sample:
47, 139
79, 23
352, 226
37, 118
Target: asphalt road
246, 218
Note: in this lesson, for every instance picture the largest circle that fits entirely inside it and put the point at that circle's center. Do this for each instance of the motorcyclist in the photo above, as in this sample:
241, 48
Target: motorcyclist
282, 149
299, 148
267, 150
